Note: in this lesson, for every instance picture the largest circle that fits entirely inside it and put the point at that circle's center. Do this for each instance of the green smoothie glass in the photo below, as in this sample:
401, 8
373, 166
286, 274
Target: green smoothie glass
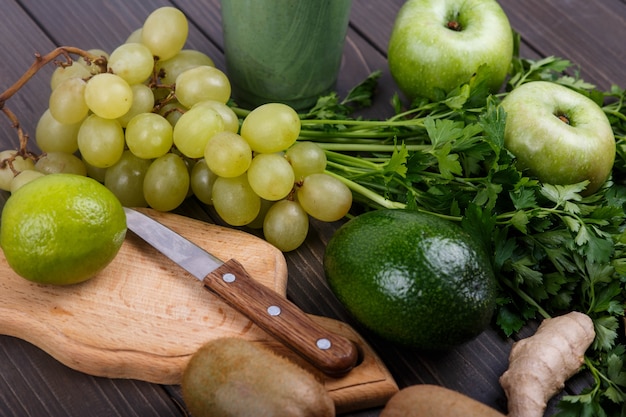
286, 51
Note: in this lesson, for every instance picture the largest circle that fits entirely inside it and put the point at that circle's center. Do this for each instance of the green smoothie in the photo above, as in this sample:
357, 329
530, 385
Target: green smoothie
286, 51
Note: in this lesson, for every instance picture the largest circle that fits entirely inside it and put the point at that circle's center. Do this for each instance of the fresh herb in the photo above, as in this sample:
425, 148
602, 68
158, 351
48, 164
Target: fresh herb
553, 249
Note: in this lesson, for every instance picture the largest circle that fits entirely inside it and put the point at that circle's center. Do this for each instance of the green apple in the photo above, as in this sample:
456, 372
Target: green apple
437, 45
559, 135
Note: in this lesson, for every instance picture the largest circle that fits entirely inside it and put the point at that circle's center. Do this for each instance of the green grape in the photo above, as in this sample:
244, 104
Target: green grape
100, 141
271, 176
257, 223
163, 94
165, 32
97, 173
306, 158
149, 135
227, 154
91, 66
143, 102
202, 83
235, 201
125, 179
172, 111
108, 95
324, 197
202, 180
67, 101
62, 73
231, 121
52, 136
134, 37
131, 61
189, 163
60, 162
194, 129
286, 225
169, 69
166, 183
271, 127
18, 164
24, 178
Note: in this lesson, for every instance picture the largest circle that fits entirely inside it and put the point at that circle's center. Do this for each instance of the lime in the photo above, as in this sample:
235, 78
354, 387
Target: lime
61, 229
413, 279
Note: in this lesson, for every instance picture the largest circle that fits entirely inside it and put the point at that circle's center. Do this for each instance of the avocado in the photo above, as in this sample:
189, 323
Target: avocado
412, 278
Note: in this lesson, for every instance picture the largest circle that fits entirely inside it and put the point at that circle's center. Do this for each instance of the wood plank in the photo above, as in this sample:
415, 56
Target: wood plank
374, 19
21, 39
576, 30
105, 25
33, 383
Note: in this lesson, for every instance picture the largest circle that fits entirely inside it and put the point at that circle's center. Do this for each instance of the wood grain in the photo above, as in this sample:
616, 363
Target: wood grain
585, 32
143, 316
32, 383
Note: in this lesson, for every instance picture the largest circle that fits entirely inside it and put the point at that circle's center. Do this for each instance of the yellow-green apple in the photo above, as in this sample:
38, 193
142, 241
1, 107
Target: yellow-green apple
559, 135
437, 45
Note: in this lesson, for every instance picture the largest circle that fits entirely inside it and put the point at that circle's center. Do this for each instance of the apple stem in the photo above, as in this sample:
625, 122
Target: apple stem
454, 25
563, 118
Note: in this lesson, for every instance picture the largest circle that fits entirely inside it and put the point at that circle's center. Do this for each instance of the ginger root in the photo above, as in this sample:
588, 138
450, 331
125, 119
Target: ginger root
539, 365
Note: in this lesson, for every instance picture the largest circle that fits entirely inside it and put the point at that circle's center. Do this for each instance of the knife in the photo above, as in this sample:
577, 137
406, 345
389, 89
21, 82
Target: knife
331, 353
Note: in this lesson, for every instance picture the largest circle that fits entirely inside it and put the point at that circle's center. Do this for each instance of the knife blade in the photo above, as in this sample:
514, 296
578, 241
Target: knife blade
331, 353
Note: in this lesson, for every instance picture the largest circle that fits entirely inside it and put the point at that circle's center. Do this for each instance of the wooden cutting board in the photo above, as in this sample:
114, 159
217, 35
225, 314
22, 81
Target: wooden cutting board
143, 317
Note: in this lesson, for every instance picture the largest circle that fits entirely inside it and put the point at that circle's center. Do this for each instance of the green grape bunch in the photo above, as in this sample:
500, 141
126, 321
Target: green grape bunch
152, 121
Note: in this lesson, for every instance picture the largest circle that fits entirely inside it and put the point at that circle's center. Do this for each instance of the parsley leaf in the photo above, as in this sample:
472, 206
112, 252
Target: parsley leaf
553, 248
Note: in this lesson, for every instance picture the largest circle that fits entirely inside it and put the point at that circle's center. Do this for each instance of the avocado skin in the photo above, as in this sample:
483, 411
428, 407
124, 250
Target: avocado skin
414, 279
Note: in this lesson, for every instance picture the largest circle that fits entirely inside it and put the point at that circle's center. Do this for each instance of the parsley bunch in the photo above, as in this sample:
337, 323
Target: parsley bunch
553, 250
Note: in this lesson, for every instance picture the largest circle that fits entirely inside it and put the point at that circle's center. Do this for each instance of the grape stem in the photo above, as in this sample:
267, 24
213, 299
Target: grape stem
40, 62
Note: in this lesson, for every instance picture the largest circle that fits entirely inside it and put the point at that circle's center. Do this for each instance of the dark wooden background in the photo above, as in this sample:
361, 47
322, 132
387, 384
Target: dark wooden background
590, 33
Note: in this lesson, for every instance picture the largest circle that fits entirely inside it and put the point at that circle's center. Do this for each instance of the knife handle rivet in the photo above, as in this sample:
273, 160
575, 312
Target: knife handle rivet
273, 310
228, 277
323, 344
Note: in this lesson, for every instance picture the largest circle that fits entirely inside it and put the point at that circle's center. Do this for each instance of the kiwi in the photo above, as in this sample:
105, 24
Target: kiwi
233, 377
424, 400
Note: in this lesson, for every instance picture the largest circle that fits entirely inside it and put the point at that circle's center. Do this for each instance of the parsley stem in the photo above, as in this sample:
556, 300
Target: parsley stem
366, 192
359, 135
614, 113
526, 298
362, 170
369, 124
599, 377
368, 147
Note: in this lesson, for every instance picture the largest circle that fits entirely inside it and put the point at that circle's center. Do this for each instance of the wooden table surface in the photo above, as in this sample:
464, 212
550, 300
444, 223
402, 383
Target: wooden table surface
590, 33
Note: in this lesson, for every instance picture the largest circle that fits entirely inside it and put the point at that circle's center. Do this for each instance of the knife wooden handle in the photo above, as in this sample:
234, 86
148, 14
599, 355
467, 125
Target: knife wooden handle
328, 352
